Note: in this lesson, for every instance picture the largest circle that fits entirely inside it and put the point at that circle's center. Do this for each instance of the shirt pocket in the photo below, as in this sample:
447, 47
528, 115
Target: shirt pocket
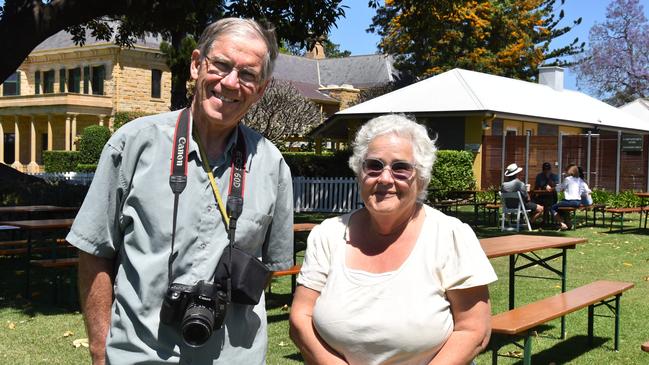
251, 232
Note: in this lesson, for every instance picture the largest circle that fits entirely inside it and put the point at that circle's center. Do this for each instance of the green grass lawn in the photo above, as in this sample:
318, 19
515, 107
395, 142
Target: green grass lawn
36, 333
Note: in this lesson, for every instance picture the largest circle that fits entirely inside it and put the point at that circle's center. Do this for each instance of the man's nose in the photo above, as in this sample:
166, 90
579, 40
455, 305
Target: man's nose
231, 80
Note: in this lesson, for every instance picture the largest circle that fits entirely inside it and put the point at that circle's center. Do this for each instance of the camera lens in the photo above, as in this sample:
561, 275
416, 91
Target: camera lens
197, 325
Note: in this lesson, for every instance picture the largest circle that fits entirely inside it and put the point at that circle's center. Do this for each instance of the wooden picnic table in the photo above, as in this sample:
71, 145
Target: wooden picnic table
526, 247
32, 227
12, 212
643, 207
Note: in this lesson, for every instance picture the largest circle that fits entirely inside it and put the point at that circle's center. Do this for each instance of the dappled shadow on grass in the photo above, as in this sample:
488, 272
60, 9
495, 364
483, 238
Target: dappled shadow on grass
562, 352
49, 295
272, 318
295, 357
567, 350
277, 300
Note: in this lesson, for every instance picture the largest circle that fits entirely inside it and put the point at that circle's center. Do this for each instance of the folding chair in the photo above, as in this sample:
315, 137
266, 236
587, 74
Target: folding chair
508, 212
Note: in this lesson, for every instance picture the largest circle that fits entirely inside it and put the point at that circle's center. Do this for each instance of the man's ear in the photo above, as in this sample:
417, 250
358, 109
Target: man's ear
195, 64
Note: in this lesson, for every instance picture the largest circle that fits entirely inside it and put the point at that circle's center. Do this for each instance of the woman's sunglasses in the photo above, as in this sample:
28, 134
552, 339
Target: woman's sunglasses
400, 170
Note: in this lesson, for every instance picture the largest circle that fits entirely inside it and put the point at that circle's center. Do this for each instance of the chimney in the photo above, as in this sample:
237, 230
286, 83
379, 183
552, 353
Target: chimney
317, 52
551, 76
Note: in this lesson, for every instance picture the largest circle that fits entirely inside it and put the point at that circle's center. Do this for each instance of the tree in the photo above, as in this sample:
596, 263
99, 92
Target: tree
25, 23
507, 37
616, 64
282, 112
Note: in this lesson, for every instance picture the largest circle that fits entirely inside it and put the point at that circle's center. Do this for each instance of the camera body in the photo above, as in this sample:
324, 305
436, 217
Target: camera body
197, 310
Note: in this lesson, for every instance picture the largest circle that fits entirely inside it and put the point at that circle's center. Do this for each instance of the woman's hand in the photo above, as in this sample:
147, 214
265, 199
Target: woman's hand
314, 350
471, 326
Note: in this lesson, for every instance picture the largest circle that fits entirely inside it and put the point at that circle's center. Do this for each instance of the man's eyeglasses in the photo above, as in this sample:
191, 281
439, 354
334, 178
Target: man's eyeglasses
400, 170
222, 69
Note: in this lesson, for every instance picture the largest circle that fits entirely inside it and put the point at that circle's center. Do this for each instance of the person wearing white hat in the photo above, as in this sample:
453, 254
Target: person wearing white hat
513, 184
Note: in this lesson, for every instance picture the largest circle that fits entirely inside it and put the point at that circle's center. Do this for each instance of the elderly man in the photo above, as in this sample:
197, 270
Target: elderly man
513, 184
143, 228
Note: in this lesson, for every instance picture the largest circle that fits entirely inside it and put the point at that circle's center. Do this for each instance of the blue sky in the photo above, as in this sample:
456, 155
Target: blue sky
351, 35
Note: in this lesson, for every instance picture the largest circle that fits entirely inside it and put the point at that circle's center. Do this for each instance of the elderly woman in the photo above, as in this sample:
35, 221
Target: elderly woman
396, 282
572, 187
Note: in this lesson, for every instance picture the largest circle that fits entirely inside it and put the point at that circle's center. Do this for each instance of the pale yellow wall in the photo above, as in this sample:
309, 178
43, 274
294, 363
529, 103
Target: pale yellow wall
473, 135
569, 130
521, 127
133, 82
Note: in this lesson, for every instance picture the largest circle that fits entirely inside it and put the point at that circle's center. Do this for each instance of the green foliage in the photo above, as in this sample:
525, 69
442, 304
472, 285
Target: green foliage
624, 199
60, 161
507, 38
311, 165
122, 118
453, 170
92, 143
86, 167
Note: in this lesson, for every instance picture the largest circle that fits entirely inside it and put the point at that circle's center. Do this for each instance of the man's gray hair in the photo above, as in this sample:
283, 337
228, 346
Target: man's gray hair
242, 27
423, 148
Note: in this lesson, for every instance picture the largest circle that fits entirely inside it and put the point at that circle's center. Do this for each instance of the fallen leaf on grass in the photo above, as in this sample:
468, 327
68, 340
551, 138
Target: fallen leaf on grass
68, 333
80, 342
646, 278
627, 264
514, 353
285, 308
11, 326
282, 344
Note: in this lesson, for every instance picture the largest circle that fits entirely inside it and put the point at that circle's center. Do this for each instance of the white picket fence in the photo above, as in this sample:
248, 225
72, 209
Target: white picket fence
334, 194
76, 178
324, 194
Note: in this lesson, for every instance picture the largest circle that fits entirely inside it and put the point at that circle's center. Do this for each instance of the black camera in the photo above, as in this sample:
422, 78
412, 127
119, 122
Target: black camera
197, 310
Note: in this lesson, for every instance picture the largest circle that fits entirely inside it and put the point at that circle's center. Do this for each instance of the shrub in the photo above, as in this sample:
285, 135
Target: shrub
453, 170
92, 143
86, 167
121, 118
311, 165
60, 161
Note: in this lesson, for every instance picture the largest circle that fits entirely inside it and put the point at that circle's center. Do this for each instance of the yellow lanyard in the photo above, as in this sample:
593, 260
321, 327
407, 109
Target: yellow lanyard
215, 188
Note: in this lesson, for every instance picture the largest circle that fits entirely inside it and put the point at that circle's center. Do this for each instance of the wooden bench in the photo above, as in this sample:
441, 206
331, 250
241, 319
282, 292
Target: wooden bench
60, 265
13, 248
617, 214
56, 263
293, 271
596, 208
645, 346
519, 322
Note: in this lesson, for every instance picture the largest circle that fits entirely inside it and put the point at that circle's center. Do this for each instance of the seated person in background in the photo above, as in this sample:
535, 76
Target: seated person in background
394, 282
546, 180
571, 188
513, 184
584, 190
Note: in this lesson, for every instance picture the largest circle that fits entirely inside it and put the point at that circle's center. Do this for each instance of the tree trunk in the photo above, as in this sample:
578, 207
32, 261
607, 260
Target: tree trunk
179, 74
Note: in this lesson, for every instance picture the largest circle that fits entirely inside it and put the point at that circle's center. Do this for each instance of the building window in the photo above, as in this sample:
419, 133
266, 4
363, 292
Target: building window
62, 80
11, 86
48, 82
98, 76
156, 77
9, 148
86, 80
74, 80
37, 82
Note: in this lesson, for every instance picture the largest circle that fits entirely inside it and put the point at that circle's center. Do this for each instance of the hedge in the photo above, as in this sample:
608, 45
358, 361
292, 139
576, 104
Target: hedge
121, 118
311, 165
60, 161
453, 170
92, 143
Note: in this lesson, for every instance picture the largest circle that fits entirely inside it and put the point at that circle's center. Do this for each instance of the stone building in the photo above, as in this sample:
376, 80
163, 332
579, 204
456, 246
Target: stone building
61, 88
